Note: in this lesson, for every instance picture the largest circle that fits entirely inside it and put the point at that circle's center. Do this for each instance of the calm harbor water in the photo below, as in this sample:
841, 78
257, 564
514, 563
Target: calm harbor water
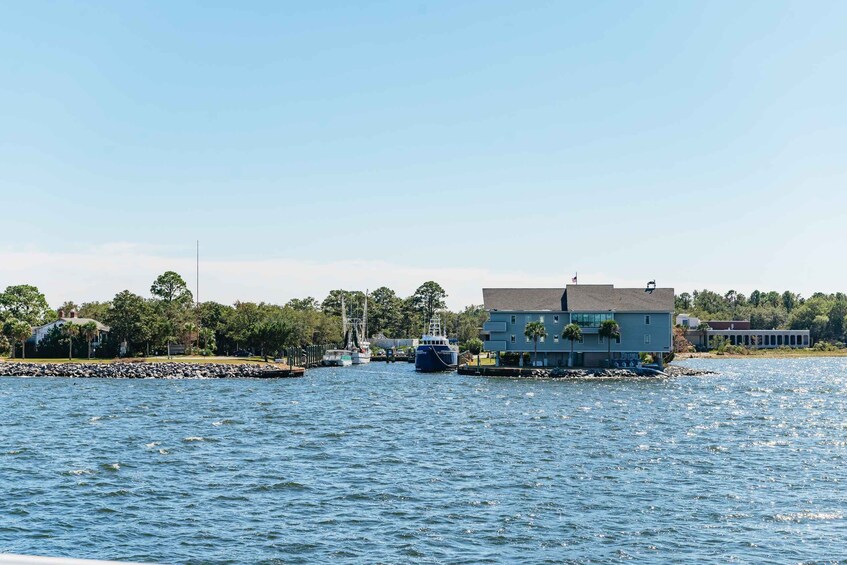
379, 464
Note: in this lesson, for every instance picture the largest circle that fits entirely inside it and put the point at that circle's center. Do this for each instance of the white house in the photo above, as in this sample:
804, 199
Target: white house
687, 321
40, 332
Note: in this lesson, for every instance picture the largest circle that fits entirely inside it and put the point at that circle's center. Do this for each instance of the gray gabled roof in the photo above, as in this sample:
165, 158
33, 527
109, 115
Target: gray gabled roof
522, 299
78, 322
579, 298
604, 297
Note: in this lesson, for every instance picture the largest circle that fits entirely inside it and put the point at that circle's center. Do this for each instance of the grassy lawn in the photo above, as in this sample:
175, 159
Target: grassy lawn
483, 361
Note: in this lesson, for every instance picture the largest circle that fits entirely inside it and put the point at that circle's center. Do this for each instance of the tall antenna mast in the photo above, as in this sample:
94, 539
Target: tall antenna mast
197, 288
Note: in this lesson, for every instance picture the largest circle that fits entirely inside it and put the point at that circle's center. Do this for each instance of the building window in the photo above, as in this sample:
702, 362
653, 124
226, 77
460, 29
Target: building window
646, 320
555, 319
600, 339
617, 338
581, 339
541, 339
590, 320
514, 319
541, 319
555, 338
513, 338
527, 338
646, 338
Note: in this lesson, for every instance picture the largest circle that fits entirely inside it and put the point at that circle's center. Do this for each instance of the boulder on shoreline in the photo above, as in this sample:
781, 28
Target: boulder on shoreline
135, 370
580, 373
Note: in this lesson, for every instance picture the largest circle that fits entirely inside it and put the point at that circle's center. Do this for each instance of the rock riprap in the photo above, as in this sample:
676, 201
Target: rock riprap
143, 370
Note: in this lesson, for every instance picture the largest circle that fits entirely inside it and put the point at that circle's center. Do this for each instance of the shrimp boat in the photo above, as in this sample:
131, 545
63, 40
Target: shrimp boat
356, 350
434, 352
355, 337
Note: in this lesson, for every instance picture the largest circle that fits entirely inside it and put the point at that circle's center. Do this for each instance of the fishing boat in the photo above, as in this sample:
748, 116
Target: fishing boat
434, 352
355, 335
337, 358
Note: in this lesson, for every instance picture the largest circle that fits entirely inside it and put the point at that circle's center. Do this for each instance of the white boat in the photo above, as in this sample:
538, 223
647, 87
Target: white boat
362, 355
337, 358
355, 334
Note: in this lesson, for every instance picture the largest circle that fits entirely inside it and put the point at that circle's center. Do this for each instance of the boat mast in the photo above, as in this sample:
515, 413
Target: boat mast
365, 318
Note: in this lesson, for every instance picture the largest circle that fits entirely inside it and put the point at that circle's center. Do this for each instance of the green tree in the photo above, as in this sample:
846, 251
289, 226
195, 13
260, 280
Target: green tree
169, 287
130, 320
68, 306
470, 322
207, 339
475, 346
174, 302
428, 299
70, 331
572, 333
307, 304
94, 310
535, 331
354, 300
789, 300
18, 331
89, 331
384, 312
610, 330
704, 328
25, 303
190, 330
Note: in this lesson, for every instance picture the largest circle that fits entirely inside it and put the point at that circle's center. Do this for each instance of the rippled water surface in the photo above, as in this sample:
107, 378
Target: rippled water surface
379, 464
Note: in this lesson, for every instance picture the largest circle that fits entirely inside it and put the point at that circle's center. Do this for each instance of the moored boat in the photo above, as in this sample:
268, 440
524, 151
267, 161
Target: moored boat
337, 358
434, 352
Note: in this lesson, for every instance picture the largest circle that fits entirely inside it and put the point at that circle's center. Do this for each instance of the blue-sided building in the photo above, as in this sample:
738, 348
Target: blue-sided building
645, 317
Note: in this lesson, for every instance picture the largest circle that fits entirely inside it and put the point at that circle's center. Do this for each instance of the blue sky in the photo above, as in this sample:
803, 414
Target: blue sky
312, 146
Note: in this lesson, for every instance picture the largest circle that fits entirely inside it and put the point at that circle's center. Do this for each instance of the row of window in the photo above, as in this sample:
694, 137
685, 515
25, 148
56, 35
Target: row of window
600, 339
582, 320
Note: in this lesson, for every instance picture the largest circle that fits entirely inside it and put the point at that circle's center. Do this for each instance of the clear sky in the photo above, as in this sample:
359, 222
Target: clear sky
320, 145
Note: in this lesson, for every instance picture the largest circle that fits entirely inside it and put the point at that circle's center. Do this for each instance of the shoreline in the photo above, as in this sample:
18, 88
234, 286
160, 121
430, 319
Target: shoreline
763, 354
150, 370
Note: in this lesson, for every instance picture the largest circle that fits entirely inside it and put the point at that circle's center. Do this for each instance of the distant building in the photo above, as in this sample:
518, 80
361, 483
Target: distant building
738, 332
40, 332
729, 324
644, 316
687, 321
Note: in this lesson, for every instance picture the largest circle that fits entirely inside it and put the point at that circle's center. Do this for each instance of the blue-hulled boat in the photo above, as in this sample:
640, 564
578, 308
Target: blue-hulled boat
434, 352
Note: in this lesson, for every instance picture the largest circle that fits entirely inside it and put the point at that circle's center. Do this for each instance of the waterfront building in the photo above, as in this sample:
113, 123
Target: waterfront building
645, 317
753, 339
40, 332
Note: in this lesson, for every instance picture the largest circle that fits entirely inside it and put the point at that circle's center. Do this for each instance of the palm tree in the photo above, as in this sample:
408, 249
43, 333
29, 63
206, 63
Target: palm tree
572, 333
19, 331
190, 327
70, 330
535, 331
610, 329
704, 328
89, 331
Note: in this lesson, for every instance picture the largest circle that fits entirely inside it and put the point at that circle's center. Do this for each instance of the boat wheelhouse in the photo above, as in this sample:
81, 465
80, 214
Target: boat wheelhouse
434, 352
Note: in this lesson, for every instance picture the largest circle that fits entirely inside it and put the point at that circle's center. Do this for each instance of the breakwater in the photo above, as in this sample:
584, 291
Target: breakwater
148, 370
562, 373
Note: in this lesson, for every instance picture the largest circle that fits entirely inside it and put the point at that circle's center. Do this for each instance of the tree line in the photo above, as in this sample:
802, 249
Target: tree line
169, 316
822, 314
